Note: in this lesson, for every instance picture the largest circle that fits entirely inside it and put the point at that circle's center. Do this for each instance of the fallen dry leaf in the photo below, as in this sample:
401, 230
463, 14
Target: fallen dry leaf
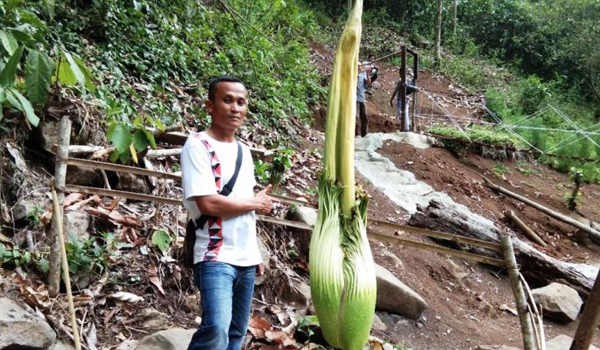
153, 276
258, 326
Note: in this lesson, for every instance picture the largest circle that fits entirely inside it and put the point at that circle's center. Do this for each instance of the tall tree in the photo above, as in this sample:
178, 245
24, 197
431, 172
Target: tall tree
454, 17
438, 34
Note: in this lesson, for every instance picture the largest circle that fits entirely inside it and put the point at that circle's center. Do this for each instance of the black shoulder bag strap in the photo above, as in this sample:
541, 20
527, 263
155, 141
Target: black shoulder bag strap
193, 225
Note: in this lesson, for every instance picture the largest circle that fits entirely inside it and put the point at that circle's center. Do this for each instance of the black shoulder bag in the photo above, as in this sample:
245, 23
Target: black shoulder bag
193, 225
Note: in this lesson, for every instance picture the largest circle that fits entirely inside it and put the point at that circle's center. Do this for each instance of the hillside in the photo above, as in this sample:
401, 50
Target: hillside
132, 78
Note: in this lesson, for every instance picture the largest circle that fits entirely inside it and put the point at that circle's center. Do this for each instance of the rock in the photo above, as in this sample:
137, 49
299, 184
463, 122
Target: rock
559, 302
21, 327
23, 209
62, 345
77, 224
154, 319
392, 258
48, 132
171, 339
395, 297
133, 183
488, 309
300, 293
378, 324
265, 253
128, 345
307, 216
562, 342
81, 176
457, 271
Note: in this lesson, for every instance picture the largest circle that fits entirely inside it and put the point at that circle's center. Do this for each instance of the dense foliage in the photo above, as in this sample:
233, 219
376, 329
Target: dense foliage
152, 60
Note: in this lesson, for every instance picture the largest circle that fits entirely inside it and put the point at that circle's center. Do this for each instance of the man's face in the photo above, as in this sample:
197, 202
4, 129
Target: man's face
229, 108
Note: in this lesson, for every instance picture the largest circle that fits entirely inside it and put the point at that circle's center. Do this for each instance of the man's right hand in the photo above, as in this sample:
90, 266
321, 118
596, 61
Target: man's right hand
264, 203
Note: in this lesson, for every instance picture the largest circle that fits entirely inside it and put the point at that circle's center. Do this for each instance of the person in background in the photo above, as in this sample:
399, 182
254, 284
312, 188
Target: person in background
364, 79
410, 88
226, 256
374, 69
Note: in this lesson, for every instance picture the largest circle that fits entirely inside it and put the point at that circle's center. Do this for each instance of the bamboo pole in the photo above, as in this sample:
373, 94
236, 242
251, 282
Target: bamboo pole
526, 230
58, 218
91, 164
589, 319
536, 314
513, 274
60, 174
396, 240
543, 209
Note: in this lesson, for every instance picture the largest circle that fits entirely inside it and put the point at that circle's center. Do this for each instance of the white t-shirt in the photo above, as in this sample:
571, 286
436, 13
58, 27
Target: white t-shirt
230, 239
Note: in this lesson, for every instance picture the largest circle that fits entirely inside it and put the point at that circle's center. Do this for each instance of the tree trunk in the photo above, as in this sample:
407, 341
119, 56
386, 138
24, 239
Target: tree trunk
60, 174
515, 282
538, 267
454, 17
438, 34
589, 320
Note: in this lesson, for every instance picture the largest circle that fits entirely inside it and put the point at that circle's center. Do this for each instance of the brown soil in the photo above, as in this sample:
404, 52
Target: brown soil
464, 312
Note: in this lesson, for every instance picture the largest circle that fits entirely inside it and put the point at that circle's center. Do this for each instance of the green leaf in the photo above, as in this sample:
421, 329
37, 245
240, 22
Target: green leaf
38, 74
114, 156
124, 157
79, 76
162, 240
8, 76
13, 101
140, 140
65, 74
27, 109
121, 138
8, 41
150, 138
89, 78
2, 95
44, 265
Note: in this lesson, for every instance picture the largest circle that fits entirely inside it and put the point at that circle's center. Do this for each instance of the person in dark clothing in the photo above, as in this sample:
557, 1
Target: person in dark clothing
364, 79
410, 88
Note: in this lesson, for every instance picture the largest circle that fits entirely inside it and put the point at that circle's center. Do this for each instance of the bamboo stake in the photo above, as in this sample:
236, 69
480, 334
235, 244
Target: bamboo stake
589, 319
543, 209
537, 313
513, 274
60, 174
526, 230
65, 264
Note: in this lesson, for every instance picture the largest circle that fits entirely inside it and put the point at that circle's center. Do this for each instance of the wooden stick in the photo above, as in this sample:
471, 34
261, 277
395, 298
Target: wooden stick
65, 264
395, 240
122, 194
543, 209
163, 152
60, 173
589, 319
440, 235
84, 163
525, 229
517, 287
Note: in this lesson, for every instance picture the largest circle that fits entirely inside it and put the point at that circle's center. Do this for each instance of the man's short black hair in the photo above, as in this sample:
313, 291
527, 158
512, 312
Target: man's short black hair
212, 86
371, 55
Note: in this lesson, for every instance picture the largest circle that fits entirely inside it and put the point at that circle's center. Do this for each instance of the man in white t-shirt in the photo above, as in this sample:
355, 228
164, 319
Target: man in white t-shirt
226, 254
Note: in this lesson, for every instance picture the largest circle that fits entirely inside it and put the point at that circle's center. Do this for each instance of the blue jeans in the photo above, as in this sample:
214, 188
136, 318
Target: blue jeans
226, 297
